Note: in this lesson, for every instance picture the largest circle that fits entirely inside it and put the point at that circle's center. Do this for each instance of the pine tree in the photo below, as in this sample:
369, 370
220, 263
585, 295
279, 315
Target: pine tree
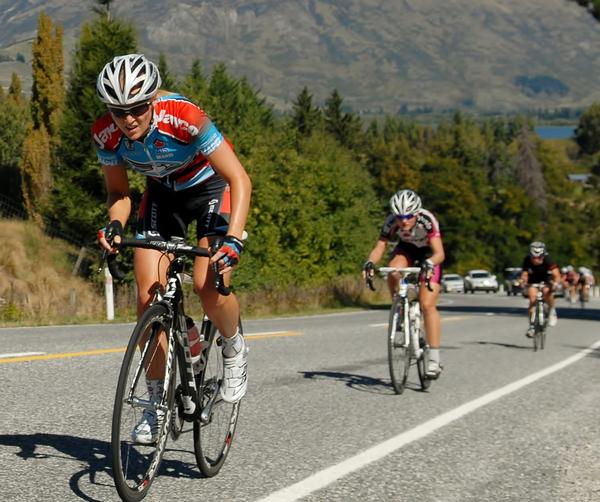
79, 196
305, 116
195, 84
168, 81
345, 127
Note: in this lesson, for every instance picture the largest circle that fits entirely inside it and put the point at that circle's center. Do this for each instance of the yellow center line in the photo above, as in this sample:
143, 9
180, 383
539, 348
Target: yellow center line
64, 355
271, 334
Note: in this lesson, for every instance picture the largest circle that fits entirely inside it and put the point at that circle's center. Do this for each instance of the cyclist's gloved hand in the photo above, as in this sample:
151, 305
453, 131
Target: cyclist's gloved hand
428, 266
368, 269
228, 253
110, 235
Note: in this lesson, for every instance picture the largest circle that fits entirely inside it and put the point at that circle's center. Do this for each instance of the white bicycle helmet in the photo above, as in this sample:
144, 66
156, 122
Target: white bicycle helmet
405, 202
128, 80
537, 249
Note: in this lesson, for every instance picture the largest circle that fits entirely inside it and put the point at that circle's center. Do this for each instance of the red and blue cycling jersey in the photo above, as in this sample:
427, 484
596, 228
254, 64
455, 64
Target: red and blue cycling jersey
175, 150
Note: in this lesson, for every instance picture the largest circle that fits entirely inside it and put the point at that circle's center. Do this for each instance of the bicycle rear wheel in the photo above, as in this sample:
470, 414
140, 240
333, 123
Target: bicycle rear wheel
214, 431
134, 464
398, 350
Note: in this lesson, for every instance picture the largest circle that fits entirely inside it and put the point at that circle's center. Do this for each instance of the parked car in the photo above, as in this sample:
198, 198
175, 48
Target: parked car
452, 283
480, 280
512, 281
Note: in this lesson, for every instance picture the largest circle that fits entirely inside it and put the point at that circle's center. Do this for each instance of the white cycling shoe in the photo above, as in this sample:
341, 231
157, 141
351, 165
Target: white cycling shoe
235, 380
147, 429
433, 369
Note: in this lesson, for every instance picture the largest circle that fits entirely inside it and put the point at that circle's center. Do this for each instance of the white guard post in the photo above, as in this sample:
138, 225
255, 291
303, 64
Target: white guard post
110, 299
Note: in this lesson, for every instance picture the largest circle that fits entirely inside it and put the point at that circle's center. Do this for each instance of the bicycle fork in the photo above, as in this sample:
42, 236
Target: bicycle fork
414, 315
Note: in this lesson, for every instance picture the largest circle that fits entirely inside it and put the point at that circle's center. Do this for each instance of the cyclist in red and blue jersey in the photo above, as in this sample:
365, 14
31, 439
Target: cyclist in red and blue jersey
419, 240
192, 174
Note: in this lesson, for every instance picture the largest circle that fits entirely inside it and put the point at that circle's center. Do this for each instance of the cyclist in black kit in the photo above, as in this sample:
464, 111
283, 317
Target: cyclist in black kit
539, 268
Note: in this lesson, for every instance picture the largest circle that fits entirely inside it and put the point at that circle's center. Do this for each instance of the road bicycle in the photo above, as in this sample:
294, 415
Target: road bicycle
190, 392
540, 317
406, 341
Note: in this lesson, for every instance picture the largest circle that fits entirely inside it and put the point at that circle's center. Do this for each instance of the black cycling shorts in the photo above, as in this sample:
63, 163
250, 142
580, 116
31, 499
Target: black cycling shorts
417, 255
165, 213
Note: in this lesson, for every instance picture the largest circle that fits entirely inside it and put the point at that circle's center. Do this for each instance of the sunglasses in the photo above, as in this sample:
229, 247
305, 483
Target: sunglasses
404, 217
134, 111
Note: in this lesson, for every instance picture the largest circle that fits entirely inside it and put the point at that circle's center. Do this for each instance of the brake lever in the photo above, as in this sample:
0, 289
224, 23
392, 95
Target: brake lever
369, 281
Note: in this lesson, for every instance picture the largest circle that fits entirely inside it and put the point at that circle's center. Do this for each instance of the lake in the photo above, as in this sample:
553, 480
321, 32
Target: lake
555, 132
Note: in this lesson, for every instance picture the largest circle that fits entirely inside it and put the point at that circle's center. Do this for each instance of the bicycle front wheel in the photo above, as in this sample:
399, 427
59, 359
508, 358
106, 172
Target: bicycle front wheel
398, 349
422, 363
214, 430
136, 457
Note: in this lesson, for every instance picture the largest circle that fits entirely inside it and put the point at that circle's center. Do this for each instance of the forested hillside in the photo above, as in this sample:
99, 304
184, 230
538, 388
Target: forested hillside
322, 176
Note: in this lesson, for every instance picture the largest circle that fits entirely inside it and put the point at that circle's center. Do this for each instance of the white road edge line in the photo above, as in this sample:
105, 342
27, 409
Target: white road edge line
21, 354
327, 476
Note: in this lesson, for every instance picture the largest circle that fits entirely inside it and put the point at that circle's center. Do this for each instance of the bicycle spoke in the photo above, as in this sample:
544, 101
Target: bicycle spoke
136, 461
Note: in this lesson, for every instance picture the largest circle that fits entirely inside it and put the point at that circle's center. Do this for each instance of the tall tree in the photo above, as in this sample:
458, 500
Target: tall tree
305, 116
345, 126
79, 194
35, 172
195, 84
47, 92
15, 117
529, 170
47, 100
587, 134
168, 81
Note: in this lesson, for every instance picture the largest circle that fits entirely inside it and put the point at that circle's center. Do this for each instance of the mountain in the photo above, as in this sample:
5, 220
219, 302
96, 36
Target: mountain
382, 55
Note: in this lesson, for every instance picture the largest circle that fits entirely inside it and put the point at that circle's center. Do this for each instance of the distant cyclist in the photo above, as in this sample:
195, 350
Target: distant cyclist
572, 279
192, 174
539, 268
585, 282
419, 240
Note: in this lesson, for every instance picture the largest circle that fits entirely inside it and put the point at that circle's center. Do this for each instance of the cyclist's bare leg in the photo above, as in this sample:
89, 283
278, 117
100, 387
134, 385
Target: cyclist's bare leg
150, 267
531, 294
393, 279
431, 316
549, 297
223, 311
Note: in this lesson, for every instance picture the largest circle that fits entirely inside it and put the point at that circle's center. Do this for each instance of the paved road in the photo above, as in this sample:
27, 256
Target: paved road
321, 422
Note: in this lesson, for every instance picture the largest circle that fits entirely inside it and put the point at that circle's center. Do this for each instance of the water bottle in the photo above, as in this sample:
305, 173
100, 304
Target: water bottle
194, 338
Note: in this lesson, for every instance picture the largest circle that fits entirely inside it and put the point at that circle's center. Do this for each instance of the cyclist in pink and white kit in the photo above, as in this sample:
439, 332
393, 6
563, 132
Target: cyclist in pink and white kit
420, 241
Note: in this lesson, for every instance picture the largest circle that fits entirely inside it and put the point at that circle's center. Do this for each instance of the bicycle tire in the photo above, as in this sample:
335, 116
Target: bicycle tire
135, 465
538, 327
398, 352
213, 438
422, 364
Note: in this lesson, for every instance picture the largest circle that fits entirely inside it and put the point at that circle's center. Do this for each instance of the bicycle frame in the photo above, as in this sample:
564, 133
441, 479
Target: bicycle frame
540, 320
